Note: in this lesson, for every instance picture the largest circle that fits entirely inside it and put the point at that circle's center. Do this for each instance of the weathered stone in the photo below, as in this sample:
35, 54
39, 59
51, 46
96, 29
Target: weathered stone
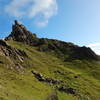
9, 51
67, 90
17, 22
21, 34
3, 43
40, 77
52, 81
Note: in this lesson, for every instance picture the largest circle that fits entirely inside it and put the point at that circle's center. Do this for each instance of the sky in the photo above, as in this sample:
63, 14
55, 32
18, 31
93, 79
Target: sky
76, 21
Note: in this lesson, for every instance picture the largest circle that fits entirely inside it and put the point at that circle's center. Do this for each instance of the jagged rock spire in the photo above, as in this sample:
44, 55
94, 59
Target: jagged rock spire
21, 34
17, 22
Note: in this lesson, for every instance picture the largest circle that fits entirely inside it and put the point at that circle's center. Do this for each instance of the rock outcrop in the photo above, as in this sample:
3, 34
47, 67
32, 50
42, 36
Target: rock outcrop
67, 90
9, 51
55, 83
21, 34
40, 77
82, 53
67, 51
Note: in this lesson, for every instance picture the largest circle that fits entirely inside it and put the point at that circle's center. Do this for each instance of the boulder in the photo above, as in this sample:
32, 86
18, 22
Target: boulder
40, 77
67, 90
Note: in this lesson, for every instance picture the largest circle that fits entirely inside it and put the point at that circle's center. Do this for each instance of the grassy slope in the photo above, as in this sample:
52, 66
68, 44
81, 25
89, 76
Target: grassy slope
15, 86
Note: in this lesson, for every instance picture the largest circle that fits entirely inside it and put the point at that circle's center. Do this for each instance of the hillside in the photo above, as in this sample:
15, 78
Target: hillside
33, 68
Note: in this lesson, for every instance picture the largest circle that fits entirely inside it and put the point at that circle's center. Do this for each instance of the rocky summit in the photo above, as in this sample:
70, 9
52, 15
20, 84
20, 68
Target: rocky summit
21, 34
33, 68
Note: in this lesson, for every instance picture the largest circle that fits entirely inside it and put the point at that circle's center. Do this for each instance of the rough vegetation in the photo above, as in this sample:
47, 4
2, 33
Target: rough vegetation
33, 68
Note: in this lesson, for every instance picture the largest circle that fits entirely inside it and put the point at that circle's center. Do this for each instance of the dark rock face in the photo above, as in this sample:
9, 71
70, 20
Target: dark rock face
21, 34
9, 51
72, 51
83, 53
3, 43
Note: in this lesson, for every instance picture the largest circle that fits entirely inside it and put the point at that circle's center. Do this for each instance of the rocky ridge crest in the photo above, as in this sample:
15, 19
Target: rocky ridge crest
21, 34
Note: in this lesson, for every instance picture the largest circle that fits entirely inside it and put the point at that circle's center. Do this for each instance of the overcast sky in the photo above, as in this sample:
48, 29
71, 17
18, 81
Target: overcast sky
76, 21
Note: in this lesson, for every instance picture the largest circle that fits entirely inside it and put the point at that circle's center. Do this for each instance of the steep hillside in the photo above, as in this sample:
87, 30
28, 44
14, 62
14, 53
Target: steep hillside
33, 68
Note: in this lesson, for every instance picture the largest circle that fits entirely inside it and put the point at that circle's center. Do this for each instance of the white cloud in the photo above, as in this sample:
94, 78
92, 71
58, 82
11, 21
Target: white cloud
97, 51
95, 47
32, 9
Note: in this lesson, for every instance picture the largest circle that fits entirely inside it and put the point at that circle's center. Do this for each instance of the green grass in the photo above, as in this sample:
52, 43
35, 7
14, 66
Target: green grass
18, 86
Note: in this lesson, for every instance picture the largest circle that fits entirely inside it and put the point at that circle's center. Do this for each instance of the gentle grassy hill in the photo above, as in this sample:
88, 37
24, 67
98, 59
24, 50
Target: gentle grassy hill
21, 84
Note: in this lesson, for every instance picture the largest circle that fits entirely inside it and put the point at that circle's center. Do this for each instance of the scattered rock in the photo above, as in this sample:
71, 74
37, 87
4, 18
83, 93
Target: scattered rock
40, 77
10, 53
53, 81
67, 90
